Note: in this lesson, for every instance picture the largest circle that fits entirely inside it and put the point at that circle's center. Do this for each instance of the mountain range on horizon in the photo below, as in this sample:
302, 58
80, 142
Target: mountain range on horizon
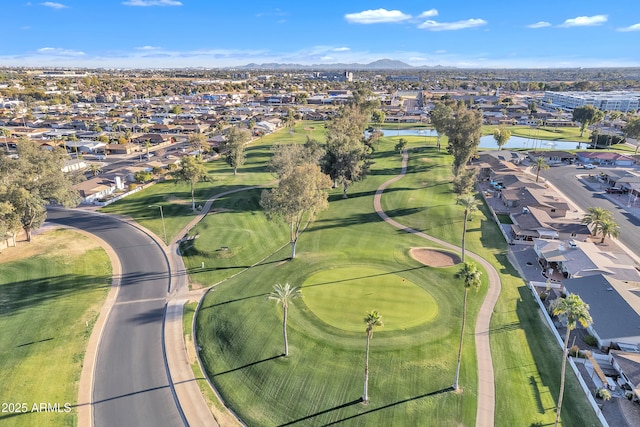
381, 64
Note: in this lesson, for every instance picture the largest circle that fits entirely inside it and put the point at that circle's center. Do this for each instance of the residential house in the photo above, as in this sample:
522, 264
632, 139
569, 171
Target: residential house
95, 188
580, 259
531, 197
614, 307
552, 156
605, 158
533, 223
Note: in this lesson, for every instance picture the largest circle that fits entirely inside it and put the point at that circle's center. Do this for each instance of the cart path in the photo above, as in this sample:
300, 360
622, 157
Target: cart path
486, 381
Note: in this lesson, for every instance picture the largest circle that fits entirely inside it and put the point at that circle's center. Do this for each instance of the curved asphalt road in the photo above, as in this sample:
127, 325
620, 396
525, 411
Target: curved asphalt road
131, 386
564, 179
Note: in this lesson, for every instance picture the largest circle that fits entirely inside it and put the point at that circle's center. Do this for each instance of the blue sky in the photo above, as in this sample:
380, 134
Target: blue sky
222, 33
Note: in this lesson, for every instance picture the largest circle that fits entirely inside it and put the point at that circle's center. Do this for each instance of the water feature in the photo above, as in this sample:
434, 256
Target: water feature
488, 141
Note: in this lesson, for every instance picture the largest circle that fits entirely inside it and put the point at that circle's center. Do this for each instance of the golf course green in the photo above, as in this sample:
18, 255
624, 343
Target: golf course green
340, 296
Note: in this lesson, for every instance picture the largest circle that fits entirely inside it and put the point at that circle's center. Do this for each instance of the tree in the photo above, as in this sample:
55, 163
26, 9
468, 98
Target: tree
631, 130
585, 115
193, 171
299, 196
598, 217
463, 129
470, 205
540, 164
401, 145
283, 295
573, 310
147, 146
287, 156
609, 228
372, 320
9, 221
34, 180
197, 142
378, 117
347, 158
94, 169
470, 276
501, 135
465, 181
143, 176
6, 133
440, 116
234, 147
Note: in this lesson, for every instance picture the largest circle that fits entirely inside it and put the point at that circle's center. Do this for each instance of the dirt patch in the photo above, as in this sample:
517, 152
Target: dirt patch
433, 257
50, 241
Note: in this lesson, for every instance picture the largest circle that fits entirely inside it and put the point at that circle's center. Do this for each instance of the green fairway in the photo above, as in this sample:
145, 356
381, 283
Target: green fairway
51, 291
412, 366
340, 296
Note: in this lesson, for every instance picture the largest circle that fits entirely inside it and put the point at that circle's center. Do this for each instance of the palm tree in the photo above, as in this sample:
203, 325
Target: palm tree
372, 320
540, 163
470, 205
597, 217
95, 169
609, 228
284, 295
574, 310
6, 133
470, 276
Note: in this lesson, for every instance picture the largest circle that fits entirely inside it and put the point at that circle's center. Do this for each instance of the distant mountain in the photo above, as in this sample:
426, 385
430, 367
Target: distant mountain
381, 64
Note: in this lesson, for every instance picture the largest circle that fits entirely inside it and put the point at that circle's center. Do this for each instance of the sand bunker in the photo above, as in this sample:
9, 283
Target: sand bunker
433, 257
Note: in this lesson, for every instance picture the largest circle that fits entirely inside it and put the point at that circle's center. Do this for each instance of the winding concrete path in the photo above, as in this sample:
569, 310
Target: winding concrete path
486, 381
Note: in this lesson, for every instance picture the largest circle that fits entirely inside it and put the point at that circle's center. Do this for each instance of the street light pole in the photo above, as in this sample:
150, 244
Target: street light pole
164, 229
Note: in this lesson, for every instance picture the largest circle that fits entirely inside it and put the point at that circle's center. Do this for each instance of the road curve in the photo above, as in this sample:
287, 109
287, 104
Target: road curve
131, 385
486, 381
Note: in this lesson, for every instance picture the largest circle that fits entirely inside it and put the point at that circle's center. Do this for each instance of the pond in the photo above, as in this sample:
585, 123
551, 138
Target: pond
488, 141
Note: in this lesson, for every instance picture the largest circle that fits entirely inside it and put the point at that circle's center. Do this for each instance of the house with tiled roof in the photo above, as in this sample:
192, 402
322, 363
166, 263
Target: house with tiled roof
605, 158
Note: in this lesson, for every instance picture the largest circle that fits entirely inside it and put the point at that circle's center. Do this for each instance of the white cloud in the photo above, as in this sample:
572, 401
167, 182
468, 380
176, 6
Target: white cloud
145, 3
56, 51
377, 16
584, 21
327, 58
634, 27
341, 49
148, 48
54, 5
441, 51
450, 26
540, 24
428, 13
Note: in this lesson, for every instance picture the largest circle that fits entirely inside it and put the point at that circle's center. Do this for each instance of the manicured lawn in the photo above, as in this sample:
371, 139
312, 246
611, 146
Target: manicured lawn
321, 380
175, 199
240, 331
50, 294
543, 132
526, 359
353, 290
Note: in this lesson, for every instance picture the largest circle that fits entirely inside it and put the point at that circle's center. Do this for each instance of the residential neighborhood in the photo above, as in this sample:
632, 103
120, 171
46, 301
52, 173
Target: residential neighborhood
120, 148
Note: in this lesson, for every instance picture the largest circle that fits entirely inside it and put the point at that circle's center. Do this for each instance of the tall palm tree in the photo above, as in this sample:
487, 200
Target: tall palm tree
574, 311
470, 276
609, 228
283, 295
470, 205
6, 133
540, 164
372, 320
597, 217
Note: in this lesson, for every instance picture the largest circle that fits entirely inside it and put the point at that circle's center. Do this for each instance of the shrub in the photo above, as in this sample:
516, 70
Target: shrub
591, 340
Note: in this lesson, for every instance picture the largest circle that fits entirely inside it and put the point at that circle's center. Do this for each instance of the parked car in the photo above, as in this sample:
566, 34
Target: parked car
589, 166
614, 190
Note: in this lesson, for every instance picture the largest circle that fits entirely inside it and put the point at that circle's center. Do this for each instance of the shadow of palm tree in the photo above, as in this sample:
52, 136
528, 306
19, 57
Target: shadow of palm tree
400, 402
